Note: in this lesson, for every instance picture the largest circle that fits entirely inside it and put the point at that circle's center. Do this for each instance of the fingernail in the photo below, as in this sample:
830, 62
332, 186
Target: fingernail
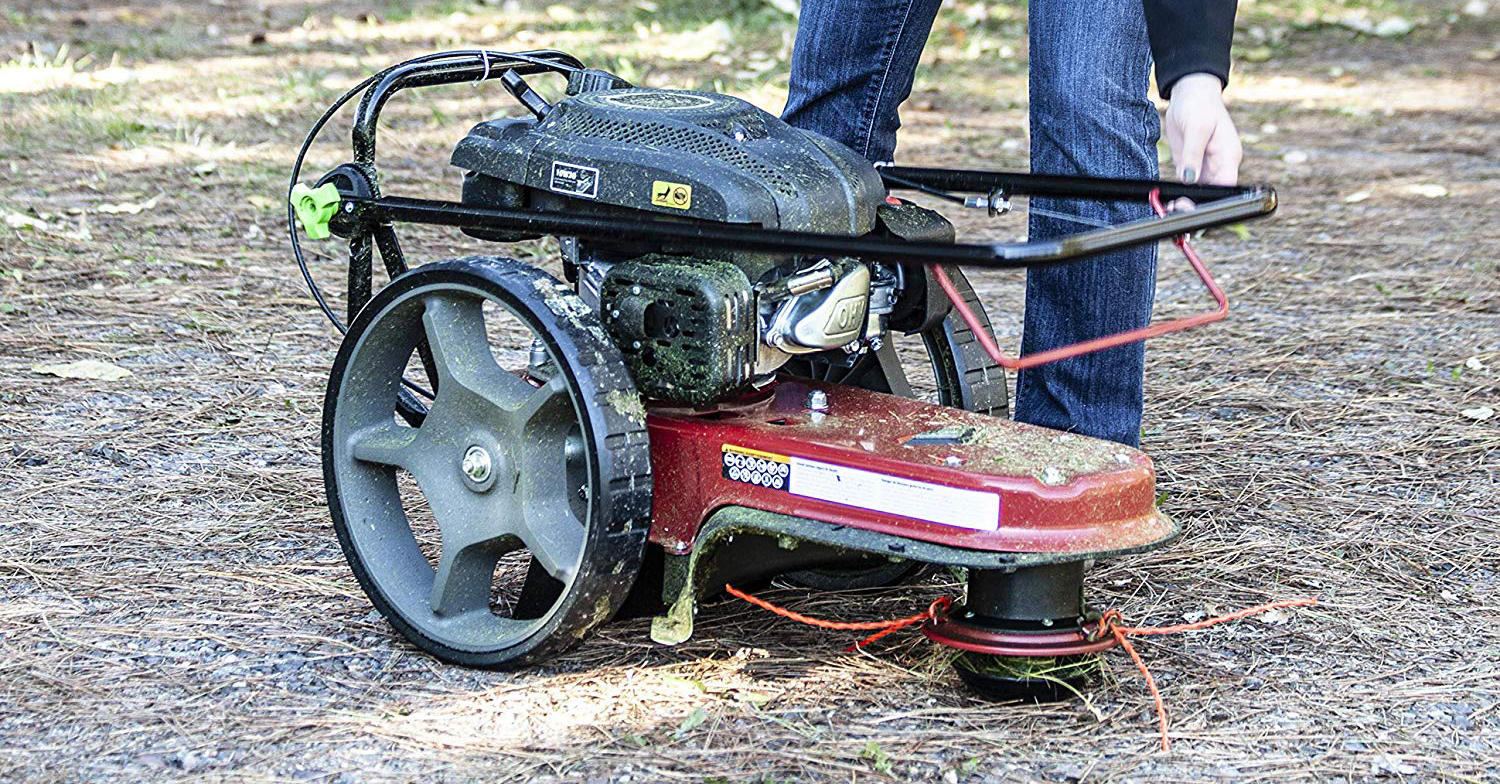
1190, 175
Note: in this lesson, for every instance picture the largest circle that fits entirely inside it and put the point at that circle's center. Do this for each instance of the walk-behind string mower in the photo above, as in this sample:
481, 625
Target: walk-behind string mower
713, 397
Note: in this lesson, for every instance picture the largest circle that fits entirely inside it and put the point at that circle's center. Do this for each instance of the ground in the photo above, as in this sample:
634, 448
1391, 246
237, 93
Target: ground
175, 604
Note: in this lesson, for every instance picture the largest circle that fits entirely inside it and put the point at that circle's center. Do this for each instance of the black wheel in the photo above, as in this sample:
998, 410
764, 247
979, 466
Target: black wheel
512, 518
944, 364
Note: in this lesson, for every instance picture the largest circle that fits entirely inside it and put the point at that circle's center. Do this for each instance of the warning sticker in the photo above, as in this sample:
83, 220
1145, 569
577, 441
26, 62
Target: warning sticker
975, 509
575, 180
671, 194
755, 467
895, 495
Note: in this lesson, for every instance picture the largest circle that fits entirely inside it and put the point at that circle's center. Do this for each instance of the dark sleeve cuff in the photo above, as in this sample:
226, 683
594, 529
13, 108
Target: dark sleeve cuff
1189, 36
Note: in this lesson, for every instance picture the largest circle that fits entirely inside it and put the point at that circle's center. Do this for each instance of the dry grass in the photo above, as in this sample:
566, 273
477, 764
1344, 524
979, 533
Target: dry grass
175, 603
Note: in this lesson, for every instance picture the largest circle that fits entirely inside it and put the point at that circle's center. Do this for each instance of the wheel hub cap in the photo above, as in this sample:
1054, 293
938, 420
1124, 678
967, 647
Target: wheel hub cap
477, 465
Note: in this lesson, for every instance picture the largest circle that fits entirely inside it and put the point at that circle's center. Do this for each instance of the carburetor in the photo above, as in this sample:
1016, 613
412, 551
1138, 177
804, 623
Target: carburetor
820, 308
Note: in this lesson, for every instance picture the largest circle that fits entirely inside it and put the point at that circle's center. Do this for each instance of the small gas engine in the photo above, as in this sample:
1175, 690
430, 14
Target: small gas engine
698, 324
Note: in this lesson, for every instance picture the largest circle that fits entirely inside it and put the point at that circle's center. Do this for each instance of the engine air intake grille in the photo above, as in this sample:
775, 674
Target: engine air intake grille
686, 139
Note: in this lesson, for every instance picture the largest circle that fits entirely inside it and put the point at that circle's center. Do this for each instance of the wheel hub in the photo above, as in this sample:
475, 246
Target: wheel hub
478, 467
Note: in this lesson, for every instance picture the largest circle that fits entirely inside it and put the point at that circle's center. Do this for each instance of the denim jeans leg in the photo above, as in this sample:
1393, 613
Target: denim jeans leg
1090, 115
852, 66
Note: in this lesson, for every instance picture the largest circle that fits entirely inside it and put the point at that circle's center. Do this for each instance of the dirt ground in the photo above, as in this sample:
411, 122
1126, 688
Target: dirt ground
175, 604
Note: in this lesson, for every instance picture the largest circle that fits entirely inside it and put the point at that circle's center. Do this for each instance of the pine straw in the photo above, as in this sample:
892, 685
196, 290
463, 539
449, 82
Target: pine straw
174, 599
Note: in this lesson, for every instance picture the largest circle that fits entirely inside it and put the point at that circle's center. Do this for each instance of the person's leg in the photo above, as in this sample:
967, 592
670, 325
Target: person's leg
1091, 115
852, 66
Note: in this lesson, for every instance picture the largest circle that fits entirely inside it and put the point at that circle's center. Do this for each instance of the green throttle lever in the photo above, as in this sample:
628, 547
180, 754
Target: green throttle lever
315, 207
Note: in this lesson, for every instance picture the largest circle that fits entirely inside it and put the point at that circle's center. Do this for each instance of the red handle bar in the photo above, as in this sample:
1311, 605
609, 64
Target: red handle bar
1097, 344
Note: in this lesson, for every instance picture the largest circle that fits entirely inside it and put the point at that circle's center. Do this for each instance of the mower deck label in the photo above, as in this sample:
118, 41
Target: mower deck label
575, 180
974, 509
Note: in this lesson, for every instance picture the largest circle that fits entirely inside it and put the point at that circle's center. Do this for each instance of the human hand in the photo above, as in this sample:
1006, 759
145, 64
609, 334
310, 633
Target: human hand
1205, 146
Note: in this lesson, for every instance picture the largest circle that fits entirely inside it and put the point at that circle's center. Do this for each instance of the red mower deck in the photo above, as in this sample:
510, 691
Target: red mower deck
905, 467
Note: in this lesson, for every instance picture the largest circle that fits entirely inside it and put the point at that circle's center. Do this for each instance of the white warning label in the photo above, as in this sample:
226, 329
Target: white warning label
940, 504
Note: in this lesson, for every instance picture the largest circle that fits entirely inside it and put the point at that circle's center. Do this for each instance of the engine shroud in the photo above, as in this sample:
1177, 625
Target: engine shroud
686, 327
676, 152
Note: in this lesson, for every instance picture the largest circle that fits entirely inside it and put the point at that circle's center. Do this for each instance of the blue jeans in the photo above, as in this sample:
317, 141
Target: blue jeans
853, 65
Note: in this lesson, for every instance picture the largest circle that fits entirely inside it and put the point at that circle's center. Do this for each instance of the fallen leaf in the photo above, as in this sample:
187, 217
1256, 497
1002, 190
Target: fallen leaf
1428, 190
16, 220
754, 698
1390, 763
129, 207
1259, 54
1478, 414
685, 682
1394, 27
91, 369
264, 202
1358, 21
561, 13
1356, 197
1295, 157
698, 44
1474, 363
1274, 617
693, 721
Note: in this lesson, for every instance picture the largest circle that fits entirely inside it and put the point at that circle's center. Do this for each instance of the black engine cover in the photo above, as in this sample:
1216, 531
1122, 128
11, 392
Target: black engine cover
685, 326
692, 154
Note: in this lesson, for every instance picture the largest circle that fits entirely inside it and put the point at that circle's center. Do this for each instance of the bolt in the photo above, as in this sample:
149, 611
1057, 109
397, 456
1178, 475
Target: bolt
477, 464
635, 344
538, 353
817, 400
348, 206
635, 289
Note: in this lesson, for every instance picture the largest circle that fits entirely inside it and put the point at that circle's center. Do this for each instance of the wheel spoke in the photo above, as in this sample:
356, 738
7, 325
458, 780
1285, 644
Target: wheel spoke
554, 536
461, 351
388, 444
464, 577
545, 408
